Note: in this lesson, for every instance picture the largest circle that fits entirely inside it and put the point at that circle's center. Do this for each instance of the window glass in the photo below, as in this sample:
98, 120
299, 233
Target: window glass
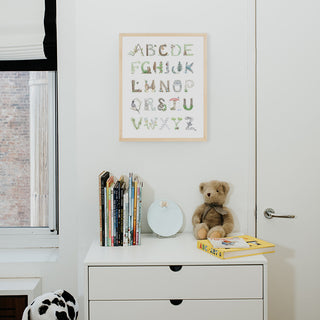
26, 122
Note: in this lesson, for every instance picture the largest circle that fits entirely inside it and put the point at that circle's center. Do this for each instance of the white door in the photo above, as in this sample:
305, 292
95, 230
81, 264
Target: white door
288, 111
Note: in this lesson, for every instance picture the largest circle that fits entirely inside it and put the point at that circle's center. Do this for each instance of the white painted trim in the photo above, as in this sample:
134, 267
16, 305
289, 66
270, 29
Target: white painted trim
26, 231
28, 238
30, 287
251, 130
52, 149
28, 255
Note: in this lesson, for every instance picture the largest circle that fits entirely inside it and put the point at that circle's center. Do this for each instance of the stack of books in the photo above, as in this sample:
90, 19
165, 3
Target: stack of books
120, 210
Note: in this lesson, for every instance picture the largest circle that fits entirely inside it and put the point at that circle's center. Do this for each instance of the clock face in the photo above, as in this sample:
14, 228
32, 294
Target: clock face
165, 218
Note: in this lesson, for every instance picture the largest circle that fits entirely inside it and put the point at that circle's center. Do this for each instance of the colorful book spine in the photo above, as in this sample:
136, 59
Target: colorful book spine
100, 206
140, 212
109, 211
120, 224
131, 212
135, 212
120, 210
112, 215
106, 216
125, 219
115, 209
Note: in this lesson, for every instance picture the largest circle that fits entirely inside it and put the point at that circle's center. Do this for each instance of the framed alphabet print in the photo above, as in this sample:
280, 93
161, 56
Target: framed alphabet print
163, 89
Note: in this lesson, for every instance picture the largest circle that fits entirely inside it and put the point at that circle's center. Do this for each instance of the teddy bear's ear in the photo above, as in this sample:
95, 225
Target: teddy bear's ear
201, 187
225, 187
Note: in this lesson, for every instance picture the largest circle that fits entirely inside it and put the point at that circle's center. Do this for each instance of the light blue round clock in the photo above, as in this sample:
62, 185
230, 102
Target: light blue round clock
165, 218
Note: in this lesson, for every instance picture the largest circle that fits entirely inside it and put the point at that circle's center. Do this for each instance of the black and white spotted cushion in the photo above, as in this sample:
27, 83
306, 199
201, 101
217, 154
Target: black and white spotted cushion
58, 305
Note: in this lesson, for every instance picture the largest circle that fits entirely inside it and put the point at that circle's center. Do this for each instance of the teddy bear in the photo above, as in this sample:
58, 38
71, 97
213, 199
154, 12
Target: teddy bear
212, 219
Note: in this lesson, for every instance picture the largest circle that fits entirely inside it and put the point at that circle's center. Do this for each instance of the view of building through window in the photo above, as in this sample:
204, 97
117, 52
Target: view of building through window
23, 149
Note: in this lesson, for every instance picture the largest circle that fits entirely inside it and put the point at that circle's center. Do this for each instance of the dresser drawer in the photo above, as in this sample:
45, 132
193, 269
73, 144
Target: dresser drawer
187, 310
191, 282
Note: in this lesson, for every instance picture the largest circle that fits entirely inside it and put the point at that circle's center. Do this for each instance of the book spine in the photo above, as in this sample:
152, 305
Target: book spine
103, 177
140, 213
100, 207
112, 217
131, 213
125, 219
209, 249
121, 217
129, 209
115, 210
135, 215
106, 217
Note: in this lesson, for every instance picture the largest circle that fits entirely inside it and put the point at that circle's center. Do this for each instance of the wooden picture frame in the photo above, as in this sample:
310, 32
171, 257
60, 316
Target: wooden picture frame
163, 86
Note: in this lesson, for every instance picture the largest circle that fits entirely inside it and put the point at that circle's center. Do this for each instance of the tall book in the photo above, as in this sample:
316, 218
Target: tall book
116, 200
111, 209
131, 205
135, 187
103, 177
256, 246
105, 216
108, 211
139, 212
120, 223
125, 218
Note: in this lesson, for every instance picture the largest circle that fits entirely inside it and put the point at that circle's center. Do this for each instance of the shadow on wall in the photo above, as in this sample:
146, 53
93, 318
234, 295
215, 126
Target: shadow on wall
281, 284
148, 198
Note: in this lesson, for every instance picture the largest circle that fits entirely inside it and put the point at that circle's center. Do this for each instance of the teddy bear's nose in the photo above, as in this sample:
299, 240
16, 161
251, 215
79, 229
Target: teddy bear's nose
208, 194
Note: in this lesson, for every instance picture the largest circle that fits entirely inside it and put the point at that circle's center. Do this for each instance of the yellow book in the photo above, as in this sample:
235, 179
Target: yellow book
256, 246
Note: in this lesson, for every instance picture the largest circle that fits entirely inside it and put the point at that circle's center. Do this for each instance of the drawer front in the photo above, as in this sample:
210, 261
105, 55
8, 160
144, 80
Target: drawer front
187, 310
191, 282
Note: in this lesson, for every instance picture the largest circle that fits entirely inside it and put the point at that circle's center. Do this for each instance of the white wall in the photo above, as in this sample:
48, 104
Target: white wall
88, 119
172, 169
169, 169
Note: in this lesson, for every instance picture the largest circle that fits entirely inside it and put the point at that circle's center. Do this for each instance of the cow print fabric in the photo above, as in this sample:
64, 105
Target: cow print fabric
58, 305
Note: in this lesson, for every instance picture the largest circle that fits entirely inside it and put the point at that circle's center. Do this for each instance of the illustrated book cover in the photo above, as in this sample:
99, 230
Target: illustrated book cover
234, 242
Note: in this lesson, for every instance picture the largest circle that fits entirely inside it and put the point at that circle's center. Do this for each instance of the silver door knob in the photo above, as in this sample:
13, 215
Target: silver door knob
269, 213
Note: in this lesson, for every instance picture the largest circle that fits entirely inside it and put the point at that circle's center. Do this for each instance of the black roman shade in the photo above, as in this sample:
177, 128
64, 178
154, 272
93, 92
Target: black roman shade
22, 57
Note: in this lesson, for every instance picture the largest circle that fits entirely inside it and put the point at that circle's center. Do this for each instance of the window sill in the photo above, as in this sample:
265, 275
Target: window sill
28, 238
29, 255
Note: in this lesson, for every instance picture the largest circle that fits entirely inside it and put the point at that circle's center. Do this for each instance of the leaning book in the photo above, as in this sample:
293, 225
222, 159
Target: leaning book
256, 246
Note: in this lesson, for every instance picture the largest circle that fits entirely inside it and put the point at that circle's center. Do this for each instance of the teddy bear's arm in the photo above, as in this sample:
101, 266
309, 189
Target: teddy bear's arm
228, 222
196, 218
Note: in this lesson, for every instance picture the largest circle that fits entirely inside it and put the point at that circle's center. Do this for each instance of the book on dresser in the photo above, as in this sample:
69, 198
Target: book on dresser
108, 227
255, 246
103, 177
120, 209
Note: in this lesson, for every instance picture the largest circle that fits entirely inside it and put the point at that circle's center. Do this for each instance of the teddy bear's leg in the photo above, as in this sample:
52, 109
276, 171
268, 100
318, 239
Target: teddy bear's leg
200, 231
216, 232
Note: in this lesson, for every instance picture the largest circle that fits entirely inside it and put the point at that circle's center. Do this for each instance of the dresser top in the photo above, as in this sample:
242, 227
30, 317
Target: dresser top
179, 250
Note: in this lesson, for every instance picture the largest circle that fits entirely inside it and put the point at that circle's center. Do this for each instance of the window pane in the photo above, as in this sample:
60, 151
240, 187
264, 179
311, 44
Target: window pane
24, 149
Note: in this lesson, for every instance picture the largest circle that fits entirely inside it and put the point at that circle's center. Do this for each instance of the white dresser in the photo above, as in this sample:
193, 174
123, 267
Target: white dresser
171, 279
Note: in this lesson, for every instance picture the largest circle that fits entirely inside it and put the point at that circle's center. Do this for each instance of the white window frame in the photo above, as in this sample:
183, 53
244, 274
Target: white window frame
41, 237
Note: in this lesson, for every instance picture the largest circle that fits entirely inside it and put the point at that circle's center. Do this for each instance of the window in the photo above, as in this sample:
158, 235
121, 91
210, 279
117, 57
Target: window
28, 159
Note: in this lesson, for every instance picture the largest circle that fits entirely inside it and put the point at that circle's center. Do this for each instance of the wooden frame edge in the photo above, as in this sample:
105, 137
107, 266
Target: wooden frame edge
204, 35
